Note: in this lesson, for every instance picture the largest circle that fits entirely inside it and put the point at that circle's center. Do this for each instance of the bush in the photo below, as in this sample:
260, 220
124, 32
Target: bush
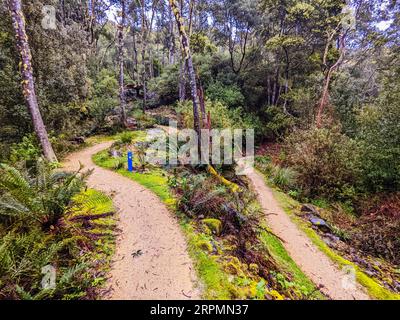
283, 177
126, 138
327, 163
26, 150
227, 95
46, 220
277, 122
106, 85
38, 197
144, 121
379, 135
166, 85
221, 116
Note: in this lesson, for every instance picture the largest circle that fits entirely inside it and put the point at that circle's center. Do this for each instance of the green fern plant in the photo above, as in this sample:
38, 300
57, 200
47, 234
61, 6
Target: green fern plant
39, 197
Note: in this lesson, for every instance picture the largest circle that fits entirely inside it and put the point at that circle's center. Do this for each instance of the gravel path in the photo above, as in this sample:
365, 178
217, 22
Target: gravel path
151, 260
313, 262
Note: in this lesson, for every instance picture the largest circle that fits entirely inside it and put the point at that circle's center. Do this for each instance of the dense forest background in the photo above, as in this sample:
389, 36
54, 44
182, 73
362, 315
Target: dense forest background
318, 80
268, 62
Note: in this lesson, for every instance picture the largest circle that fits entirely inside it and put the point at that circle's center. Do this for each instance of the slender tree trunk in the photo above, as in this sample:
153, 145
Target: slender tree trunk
122, 99
182, 80
135, 56
325, 91
144, 39
171, 44
182, 71
192, 4
190, 69
28, 85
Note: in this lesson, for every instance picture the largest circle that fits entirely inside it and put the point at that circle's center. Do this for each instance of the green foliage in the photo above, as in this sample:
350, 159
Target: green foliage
144, 121
106, 85
201, 44
40, 212
36, 198
167, 85
221, 116
326, 161
227, 95
26, 150
126, 138
380, 139
277, 122
283, 177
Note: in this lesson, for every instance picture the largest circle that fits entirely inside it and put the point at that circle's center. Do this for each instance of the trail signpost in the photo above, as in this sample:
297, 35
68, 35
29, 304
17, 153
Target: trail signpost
130, 161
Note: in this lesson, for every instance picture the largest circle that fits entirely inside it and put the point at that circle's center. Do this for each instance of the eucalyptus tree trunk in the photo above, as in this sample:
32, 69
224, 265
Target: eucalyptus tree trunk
28, 85
144, 39
189, 63
122, 100
182, 67
325, 92
182, 80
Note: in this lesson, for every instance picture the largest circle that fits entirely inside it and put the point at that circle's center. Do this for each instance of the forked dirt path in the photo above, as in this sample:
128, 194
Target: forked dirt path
151, 260
314, 263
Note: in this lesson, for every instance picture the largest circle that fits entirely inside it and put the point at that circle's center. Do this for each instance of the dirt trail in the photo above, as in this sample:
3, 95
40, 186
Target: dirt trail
163, 270
314, 263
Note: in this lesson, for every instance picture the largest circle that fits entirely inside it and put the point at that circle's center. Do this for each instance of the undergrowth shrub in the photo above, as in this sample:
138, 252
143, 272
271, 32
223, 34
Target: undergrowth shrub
36, 197
40, 230
327, 163
126, 138
283, 177
221, 116
378, 227
144, 121
26, 150
228, 95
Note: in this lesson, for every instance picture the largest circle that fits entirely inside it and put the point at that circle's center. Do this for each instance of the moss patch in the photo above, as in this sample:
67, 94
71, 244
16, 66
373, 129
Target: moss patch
214, 225
300, 281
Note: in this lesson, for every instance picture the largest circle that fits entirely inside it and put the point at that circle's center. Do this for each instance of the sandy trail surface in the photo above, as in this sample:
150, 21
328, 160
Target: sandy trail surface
335, 283
151, 259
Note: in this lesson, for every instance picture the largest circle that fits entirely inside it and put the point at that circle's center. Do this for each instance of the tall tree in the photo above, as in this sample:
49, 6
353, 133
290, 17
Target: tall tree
144, 39
121, 26
28, 84
189, 62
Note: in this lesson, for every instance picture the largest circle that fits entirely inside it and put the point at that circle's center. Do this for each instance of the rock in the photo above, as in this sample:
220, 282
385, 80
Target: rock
331, 240
309, 208
78, 140
369, 273
112, 120
396, 285
115, 153
131, 123
319, 223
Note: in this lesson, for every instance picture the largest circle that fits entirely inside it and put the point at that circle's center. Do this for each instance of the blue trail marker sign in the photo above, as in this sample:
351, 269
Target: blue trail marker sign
130, 161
